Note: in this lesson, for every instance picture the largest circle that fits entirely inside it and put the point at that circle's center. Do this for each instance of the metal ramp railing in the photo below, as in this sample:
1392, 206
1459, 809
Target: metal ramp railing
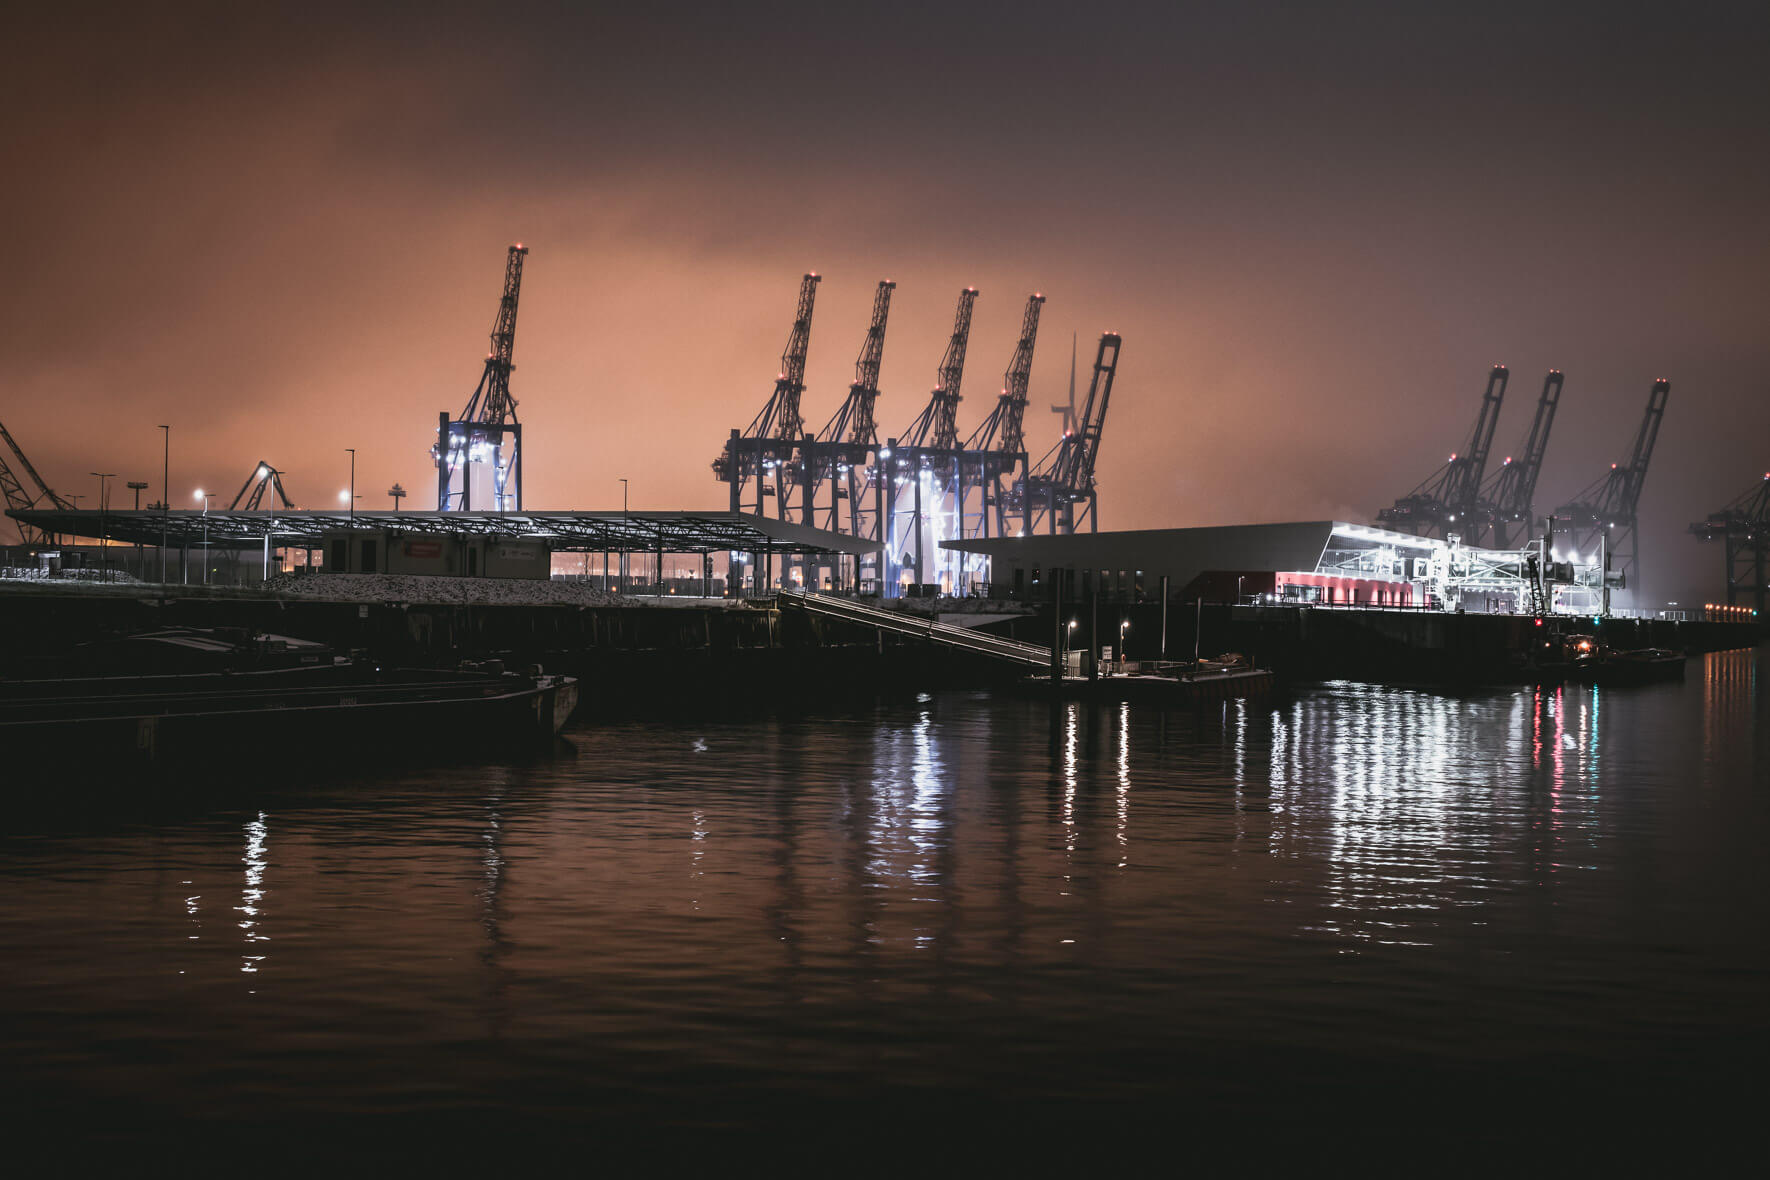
849, 611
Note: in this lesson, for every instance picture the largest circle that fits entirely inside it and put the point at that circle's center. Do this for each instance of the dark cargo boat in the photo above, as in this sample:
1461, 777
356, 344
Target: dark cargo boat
254, 696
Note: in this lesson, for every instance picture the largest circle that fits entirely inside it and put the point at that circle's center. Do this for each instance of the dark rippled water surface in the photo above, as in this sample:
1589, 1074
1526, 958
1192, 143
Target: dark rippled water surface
958, 911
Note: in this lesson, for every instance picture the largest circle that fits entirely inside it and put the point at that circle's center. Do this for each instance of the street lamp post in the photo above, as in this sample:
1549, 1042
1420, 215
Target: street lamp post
205, 497
271, 474
103, 554
350, 560
165, 497
138, 486
622, 588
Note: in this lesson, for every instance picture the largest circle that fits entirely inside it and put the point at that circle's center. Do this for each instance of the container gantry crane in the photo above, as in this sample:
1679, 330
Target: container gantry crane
847, 448
1449, 500
1603, 516
1743, 527
766, 450
479, 434
1507, 498
997, 448
21, 495
1065, 476
926, 454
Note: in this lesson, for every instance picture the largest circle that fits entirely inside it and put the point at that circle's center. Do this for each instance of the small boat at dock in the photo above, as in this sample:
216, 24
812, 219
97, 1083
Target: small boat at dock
1646, 665
1183, 684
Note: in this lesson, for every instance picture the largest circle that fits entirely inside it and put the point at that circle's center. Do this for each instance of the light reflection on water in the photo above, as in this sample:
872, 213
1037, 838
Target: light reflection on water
955, 892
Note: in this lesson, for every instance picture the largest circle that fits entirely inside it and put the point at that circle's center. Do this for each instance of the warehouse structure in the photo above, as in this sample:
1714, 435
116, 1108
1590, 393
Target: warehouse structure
1333, 563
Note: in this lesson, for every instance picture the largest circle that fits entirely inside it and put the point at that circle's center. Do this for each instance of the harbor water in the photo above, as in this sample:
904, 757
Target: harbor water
1354, 910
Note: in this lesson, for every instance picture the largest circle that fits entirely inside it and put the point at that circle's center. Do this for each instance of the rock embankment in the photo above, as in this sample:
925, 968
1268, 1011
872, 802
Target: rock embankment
424, 588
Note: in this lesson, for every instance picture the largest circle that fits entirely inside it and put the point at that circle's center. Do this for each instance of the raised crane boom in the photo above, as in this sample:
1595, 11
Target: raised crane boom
780, 419
491, 403
1003, 430
853, 422
1449, 500
1607, 507
1507, 499
937, 427
1074, 468
1065, 476
1627, 497
773, 434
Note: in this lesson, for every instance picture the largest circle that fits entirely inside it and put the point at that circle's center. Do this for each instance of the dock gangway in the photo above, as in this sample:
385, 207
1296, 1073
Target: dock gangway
897, 622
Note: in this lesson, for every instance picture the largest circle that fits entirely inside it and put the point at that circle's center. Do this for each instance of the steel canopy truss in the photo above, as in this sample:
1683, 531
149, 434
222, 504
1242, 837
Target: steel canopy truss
767, 450
1065, 476
1743, 527
1449, 500
624, 532
1604, 515
22, 495
478, 435
1506, 500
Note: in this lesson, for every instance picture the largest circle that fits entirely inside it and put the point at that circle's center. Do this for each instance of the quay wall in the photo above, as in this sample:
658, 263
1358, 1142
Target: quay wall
723, 654
623, 654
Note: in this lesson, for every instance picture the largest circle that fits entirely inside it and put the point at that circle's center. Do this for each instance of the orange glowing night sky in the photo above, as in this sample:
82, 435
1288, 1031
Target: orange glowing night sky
282, 230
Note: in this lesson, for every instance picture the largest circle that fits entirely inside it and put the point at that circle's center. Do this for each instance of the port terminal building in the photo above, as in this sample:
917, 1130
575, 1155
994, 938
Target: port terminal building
1324, 562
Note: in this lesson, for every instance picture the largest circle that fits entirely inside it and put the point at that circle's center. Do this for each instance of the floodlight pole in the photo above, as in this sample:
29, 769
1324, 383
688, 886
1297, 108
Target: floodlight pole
207, 496
348, 558
103, 553
165, 497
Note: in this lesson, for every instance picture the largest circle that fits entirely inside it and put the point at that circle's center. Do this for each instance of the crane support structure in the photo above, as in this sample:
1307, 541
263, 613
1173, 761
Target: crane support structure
1506, 501
1065, 476
1743, 528
1449, 500
1604, 515
251, 494
766, 450
23, 488
478, 436
926, 458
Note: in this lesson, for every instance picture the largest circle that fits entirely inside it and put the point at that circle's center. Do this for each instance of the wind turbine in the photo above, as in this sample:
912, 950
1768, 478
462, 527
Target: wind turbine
1069, 411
